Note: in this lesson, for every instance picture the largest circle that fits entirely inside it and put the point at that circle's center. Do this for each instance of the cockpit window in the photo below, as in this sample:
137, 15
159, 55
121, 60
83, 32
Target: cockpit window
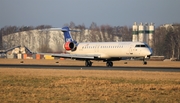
141, 45
138, 46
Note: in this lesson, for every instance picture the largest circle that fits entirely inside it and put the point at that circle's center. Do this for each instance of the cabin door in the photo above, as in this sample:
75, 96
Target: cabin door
131, 50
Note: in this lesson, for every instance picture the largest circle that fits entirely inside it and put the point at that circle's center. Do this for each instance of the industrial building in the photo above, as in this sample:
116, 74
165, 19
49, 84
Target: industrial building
14, 52
22, 52
143, 33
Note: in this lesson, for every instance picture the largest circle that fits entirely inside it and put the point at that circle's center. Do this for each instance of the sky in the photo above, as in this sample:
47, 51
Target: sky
112, 12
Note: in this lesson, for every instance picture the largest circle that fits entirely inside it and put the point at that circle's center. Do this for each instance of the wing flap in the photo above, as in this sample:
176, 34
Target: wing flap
76, 56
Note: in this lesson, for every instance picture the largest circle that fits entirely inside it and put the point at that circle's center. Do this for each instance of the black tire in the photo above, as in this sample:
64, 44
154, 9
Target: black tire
145, 62
88, 63
109, 64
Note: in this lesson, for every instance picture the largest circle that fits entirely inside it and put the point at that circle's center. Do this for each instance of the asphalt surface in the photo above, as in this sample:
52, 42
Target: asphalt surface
124, 68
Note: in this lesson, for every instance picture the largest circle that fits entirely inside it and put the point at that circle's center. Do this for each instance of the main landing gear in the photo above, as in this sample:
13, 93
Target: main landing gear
109, 64
88, 63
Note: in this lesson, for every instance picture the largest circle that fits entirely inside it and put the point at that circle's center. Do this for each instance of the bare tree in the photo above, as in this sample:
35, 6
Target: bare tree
166, 41
43, 27
94, 34
103, 31
72, 25
93, 26
177, 39
170, 41
159, 41
82, 29
109, 31
44, 42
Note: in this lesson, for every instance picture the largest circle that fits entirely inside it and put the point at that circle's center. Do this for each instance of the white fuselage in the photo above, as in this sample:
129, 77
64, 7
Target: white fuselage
113, 49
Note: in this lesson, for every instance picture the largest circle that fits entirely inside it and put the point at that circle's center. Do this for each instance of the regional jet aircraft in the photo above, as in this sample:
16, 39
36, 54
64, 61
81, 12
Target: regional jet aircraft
105, 51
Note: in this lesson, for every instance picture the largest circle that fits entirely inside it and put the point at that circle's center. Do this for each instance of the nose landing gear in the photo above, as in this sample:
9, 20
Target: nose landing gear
144, 61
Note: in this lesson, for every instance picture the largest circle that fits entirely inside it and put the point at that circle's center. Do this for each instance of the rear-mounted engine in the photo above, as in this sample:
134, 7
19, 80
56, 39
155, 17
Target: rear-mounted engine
70, 46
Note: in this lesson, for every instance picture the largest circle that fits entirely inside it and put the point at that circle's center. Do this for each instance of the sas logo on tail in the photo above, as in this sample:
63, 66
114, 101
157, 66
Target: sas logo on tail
68, 39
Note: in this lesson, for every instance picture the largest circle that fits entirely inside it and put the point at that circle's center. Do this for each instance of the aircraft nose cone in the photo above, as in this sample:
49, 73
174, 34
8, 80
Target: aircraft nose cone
150, 52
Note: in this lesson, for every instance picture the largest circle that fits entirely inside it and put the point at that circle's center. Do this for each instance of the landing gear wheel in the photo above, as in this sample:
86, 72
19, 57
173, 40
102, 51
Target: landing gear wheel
144, 62
88, 63
109, 64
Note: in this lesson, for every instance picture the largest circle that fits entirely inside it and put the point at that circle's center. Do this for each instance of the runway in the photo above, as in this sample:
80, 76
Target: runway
124, 68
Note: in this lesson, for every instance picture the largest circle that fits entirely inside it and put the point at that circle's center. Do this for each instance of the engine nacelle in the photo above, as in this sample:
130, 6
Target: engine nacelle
70, 46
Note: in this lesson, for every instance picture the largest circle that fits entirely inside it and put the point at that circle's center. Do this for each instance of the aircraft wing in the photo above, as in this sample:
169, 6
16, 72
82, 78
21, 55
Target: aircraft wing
75, 56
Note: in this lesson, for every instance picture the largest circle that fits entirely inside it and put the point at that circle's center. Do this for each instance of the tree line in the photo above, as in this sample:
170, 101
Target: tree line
14, 29
166, 40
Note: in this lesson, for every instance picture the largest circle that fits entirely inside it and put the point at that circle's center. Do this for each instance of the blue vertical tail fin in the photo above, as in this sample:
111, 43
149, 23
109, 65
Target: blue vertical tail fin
67, 34
70, 44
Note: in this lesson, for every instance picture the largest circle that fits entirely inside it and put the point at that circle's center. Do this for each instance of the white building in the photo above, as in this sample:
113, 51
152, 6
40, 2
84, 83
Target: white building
143, 33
